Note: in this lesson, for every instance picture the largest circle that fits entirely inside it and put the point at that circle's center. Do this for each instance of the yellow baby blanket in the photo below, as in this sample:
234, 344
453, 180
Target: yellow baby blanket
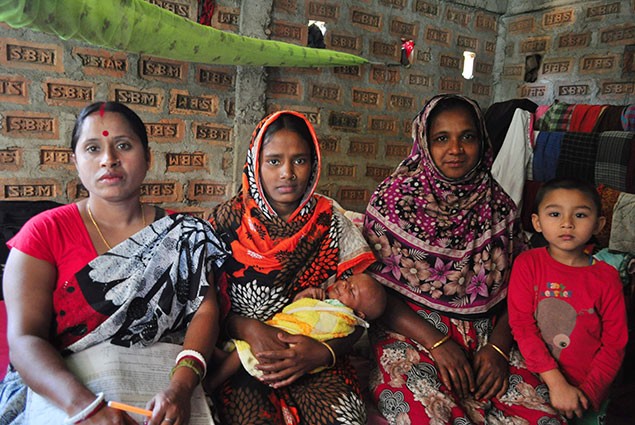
321, 320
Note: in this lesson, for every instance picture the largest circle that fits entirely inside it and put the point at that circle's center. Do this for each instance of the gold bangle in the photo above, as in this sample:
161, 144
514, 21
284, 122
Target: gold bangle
501, 352
332, 354
439, 342
190, 364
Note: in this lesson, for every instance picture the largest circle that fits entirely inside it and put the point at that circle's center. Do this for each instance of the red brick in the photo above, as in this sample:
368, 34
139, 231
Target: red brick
14, 89
428, 8
618, 34
483, 68
420, 80
481, 89
398, 4
160, 69
11, 159
423, 56
207, 190
218, 78
226, 18
486, 22
229, 106
26, 124
196, 211
56, 157
382, 74
403, 29
289, 31
102, 62
387, 50
322, 11
533, 91
366, 97
398, 150
383, 124
149, 99
600, 11
165, 130
363, 147
341, 171
24, 54
183, 162
557, 66
328, 190
457, 16
617, 88
161, 191
29, 189
490, 47
451, 85
535, 45
513, 71
628, 64
75, 190
448, 61
344, 42
325, 93
289, 6
522, 25
351, 71
469, 43
212, 133
367, 20
329, 144
353, 195
407, 123
401, 102
284, 88
558, 18
68, 92
185, 8
437, 36
378, 172
182, 102
569, 90
345, 121
595, 64
574, 41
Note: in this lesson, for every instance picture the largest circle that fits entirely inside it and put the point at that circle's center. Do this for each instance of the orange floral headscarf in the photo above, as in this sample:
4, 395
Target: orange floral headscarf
273, 259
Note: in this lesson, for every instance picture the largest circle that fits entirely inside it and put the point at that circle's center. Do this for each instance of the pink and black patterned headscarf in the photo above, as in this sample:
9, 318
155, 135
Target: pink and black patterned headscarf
445, 244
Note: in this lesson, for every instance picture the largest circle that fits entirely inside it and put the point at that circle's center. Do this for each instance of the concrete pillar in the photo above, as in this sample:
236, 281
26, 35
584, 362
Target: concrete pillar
251, 84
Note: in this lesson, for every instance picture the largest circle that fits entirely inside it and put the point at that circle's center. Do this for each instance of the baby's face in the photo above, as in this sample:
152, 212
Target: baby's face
346, 292
355, 292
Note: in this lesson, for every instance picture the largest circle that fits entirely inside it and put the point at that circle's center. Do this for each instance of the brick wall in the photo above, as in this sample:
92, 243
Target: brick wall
587, 47
187, 108
362, 114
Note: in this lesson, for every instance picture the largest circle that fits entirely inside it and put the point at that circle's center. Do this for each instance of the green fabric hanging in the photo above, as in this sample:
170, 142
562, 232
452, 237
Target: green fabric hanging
136, 26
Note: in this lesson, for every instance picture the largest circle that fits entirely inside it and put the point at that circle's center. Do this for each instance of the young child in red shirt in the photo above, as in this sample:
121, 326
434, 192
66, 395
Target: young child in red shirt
566, 309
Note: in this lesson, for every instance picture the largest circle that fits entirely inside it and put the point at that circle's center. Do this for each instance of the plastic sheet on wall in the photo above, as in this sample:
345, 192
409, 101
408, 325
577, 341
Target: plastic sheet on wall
136, 26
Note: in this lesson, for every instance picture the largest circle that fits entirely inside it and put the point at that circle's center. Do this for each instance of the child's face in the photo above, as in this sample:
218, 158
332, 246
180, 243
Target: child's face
567, 219
357, 292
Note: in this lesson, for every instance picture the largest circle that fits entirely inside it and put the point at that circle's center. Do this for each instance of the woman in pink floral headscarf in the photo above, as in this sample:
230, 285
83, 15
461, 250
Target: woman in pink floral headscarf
445, 234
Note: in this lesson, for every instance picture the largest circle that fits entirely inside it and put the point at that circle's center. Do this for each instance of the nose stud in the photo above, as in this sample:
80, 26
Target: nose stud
293, 177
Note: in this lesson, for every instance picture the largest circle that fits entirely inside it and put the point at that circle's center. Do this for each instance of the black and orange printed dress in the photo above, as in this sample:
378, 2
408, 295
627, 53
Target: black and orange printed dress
272, 260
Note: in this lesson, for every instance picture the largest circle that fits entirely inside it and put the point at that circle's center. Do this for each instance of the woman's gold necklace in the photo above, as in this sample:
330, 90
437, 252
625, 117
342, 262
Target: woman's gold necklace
101, 235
